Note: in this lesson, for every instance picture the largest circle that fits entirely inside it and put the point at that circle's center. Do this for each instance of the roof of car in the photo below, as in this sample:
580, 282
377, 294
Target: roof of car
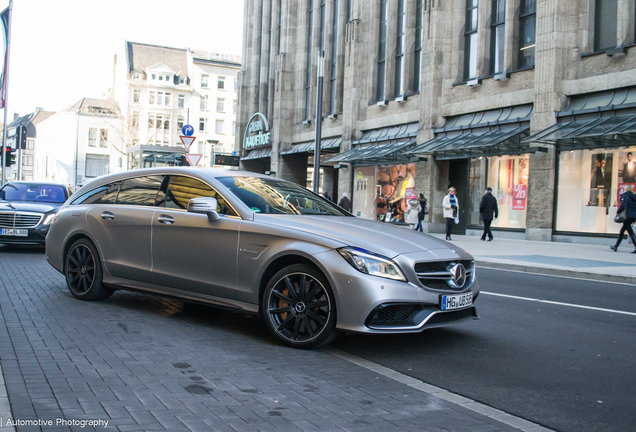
203, 172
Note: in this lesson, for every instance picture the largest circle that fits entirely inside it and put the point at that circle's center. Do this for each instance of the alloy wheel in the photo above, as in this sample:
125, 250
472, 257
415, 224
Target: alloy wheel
81, 269
299, 307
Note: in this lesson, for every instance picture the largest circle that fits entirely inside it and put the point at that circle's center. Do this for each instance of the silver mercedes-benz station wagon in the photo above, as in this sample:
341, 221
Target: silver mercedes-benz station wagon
259, 245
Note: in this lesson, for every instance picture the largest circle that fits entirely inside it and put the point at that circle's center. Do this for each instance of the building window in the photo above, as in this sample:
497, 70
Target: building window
182, 80
348, 10
96, 165
154, 76
204, 103
527, 26
151, 97
205, 81
202, 122
179, 124
470, 39
181, 101
103, 138
167, 99
137, 75
235, 106
334, 59
234, 128
136, 96
497, 36
220, 105
160, 99
135, 120
384, 4
310, 20
417, 51
201, 146
399, 49
235, 85
220, 83
92, 137
605, 24
219, 127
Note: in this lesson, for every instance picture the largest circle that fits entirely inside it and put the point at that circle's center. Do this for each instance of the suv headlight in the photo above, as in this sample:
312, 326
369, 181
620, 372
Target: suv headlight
372, 264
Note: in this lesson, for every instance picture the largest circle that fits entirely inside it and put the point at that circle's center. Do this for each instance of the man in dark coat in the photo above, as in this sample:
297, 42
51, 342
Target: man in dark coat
345, 203
488, 210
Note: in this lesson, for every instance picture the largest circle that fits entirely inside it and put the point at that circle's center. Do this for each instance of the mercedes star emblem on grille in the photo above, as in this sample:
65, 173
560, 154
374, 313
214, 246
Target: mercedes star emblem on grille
458, 273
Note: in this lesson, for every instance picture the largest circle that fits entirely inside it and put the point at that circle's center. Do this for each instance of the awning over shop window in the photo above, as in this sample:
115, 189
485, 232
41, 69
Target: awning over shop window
376, 154
258, 154
607, 132
308, 147
392, 133
469, 145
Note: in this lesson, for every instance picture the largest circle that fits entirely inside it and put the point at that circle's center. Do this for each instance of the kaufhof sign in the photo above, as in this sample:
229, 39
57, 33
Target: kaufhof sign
257, 132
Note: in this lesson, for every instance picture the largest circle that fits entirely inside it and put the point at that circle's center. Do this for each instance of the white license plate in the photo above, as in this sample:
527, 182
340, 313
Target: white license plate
457, 301
15, 232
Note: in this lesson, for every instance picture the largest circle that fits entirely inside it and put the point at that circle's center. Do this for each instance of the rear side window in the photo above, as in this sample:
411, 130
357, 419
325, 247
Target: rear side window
141, 191
102, 195
182, 189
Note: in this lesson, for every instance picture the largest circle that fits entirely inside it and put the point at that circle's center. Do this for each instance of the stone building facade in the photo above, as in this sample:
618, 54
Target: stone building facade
534, 98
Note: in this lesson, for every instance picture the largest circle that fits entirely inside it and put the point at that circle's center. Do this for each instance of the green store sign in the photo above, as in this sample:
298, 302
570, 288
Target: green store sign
257, 132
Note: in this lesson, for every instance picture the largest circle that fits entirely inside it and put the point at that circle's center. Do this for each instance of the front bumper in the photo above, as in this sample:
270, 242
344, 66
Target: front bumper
36, 236
371, 304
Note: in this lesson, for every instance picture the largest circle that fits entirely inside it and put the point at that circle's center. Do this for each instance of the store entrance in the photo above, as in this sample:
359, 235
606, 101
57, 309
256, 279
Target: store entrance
458, 173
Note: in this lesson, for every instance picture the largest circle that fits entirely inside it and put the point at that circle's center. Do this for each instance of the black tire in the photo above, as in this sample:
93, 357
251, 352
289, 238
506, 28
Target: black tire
83, 271
300, 318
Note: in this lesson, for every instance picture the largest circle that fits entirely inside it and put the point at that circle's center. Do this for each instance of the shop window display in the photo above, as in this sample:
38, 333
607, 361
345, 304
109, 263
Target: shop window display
380, 192
508, 178
589, 188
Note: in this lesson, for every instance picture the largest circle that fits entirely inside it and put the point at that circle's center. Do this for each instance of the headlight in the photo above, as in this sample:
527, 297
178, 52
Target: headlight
369, 263
49, 218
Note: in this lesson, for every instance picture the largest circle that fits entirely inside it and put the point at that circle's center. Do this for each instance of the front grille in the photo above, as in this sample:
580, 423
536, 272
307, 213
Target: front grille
447, 317
19, 220
436, 274
394, 314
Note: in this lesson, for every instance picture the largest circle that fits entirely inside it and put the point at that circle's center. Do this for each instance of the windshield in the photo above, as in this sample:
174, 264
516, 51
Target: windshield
275, 196
32, 192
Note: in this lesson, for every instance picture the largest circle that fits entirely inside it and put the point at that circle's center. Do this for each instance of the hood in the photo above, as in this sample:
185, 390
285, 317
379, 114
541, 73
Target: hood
29, 206
378, 237
414, 203
630, 195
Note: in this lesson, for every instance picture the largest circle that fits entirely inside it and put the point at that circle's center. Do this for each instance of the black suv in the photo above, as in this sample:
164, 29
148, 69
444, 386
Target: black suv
27, 209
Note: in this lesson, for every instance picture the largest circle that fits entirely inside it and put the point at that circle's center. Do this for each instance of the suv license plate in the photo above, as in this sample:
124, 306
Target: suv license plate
15, 232
456, 301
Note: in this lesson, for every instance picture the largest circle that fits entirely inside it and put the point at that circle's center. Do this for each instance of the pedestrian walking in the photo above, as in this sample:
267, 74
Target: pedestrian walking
411, 215
451, 211
488, 210
345, 203
421, 214
628, 205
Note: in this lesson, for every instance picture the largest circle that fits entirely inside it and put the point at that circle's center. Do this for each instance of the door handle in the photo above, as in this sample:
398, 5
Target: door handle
166, 220
108, 215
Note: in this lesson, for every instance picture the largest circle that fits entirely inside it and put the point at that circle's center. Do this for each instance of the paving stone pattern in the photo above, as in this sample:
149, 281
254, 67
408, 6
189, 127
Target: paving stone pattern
146, 363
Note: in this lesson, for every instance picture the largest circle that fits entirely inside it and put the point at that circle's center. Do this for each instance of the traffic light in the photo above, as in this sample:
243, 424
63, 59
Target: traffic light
9, 157
21, 142
181, 161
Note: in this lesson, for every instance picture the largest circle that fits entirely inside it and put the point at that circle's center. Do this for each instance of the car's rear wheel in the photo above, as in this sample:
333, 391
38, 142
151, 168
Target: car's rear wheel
83, 272
299, 307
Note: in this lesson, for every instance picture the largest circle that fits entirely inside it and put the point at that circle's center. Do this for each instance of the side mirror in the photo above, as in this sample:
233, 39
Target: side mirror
205, 206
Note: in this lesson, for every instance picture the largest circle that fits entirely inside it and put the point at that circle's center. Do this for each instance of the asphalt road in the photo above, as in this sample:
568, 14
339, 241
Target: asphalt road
566, 368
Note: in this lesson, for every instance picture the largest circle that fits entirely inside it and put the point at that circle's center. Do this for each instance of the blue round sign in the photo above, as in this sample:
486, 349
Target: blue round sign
187, 130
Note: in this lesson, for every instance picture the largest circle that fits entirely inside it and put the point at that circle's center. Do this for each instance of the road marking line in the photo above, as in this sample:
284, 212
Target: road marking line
479, 408
560, 303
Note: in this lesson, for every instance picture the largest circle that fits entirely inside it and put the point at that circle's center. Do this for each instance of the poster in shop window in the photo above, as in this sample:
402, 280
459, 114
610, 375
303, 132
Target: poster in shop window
393, 183
626, 173
600, 179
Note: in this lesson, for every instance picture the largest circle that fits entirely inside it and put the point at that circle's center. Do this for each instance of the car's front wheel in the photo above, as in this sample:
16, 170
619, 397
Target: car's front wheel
299, 307
83, 272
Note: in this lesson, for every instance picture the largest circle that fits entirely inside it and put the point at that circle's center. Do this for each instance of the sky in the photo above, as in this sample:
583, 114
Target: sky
62, 50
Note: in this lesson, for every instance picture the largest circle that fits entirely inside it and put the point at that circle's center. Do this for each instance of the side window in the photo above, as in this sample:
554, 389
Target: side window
182, 189
101, 195
141, 191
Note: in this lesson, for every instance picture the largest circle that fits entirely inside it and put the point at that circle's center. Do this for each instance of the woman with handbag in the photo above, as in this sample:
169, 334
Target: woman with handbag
628, 210
451, 208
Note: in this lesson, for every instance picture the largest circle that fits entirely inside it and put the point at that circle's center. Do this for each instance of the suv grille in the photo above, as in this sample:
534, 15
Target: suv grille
436, 274
19, 220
